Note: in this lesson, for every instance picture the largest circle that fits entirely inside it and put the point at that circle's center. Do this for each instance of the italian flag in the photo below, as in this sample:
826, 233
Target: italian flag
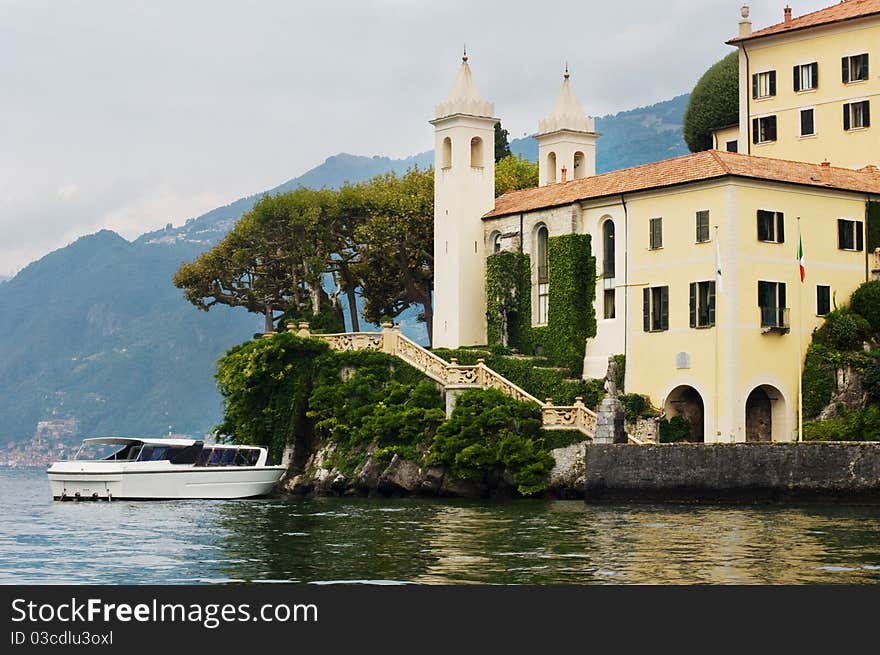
801, 261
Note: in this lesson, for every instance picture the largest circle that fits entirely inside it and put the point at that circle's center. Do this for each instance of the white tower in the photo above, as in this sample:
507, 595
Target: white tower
566, 140
464, 190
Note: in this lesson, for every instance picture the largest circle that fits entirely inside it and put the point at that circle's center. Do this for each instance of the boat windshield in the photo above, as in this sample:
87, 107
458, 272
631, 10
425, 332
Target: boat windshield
91, 451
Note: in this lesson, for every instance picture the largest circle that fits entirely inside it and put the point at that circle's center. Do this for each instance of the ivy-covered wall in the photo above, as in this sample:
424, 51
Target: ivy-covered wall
572, 316
509, 300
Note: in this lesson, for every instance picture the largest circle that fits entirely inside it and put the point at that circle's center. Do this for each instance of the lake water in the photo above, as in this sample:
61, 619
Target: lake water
430, 542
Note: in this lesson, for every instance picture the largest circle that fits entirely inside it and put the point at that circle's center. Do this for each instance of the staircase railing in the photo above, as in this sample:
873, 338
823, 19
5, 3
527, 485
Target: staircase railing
454, 376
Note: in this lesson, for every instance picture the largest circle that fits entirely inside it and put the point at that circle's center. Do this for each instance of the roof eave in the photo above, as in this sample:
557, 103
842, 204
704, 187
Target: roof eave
757, 35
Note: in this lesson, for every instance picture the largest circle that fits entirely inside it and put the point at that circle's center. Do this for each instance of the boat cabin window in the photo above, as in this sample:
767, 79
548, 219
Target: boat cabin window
216, 457
129, 453
228, 456
251, 455
204, 456
153, 453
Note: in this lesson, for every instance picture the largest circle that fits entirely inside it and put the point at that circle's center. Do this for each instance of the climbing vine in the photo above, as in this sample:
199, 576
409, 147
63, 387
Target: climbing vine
572, 317
509, 300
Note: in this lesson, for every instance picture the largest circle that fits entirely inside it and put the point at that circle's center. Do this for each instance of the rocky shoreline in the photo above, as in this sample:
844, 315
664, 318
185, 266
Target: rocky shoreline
401, 477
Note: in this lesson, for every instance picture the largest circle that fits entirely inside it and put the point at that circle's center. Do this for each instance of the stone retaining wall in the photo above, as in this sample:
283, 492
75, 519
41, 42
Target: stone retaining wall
736, 471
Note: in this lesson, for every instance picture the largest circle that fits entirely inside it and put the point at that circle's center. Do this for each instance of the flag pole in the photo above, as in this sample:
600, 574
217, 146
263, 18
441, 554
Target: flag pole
718, 285
800, 334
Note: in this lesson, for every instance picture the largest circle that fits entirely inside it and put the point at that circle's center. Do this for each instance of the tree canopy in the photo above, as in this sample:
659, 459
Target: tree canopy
295, 254
714, 103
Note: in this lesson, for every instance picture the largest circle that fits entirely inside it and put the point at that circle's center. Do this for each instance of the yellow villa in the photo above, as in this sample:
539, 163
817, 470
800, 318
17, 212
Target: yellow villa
807, 86
698, 276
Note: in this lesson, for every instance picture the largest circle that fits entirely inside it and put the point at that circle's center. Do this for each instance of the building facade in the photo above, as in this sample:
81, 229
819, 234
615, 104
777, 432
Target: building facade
809, 85
698, 277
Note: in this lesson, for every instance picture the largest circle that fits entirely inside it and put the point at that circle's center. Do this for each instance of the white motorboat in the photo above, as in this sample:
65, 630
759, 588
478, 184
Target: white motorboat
109, 468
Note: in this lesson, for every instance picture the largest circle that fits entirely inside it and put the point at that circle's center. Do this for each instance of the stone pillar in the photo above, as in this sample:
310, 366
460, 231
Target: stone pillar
610, 426
451, 398
304, 330
292, 327
389, 339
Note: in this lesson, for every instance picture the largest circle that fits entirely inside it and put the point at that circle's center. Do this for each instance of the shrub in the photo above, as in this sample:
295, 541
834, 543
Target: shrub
865, 302
843, 330
819, 380
858, 425
636, 406
489, 430
675, 430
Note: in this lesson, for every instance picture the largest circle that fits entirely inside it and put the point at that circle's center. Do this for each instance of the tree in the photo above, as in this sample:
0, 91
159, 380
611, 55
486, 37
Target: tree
513, 173
714, 103
502, 147
396, 263
274, 259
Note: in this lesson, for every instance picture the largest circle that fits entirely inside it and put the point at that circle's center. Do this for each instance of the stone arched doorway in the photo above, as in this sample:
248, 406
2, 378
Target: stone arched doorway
762, 407
686, 402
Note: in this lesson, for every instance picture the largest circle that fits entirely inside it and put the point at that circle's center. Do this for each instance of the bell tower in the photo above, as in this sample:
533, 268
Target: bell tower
566, 140
464, 190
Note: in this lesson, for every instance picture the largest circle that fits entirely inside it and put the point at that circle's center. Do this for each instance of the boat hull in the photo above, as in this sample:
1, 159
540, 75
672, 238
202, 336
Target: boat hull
189, 483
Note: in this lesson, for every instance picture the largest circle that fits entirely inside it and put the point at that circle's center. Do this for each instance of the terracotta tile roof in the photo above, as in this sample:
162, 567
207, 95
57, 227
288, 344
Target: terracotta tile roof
846, 10
708, 165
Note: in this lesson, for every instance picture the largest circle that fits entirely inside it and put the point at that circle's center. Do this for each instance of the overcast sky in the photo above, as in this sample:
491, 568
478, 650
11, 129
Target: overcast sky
128, 115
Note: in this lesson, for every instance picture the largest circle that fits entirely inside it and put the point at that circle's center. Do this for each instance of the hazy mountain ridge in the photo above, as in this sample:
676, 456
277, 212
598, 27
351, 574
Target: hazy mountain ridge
97, 331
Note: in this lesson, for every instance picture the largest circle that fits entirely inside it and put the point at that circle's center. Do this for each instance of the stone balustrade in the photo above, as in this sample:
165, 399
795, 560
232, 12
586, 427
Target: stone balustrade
452, 375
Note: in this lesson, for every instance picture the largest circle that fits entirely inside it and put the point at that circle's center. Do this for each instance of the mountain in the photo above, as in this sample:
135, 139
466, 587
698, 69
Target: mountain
96, 330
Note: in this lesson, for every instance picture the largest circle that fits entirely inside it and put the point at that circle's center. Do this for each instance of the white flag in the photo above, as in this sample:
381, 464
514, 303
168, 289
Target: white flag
717, 265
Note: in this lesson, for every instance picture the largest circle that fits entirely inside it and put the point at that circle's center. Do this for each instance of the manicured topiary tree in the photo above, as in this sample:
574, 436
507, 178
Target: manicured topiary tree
714, 103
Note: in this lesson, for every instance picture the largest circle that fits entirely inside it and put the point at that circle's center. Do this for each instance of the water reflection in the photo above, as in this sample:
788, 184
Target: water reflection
428, 542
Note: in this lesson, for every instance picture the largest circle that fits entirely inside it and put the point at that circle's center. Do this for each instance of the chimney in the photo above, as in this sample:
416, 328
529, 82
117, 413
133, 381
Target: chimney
826, 172
564, 175
745, 25
787, 19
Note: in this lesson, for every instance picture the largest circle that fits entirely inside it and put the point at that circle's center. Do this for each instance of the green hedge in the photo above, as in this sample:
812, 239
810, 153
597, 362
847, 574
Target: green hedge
859, 425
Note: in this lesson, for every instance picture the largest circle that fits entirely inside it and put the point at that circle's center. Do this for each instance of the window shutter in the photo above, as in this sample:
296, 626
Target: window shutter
782, 304
693, 304
780, 227
846, 70
867, 113
841, 234
646, 300
846, 123
860, 236
711, 303
772, 83
664, 308
815, 76
771, 128
755, 130
755, 85
797, 79
864, 67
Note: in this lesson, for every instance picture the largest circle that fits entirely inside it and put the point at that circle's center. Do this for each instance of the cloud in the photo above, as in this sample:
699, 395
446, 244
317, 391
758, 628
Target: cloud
129, 116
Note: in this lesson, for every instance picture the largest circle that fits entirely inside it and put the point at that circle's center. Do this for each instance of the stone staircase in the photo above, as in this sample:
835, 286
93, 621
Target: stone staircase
453, 377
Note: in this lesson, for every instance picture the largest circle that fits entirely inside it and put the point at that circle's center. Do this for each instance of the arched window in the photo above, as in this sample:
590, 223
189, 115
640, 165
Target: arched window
608, 249
495, 242
477, 152
447, 153
541, 257
551, 168
580, 168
